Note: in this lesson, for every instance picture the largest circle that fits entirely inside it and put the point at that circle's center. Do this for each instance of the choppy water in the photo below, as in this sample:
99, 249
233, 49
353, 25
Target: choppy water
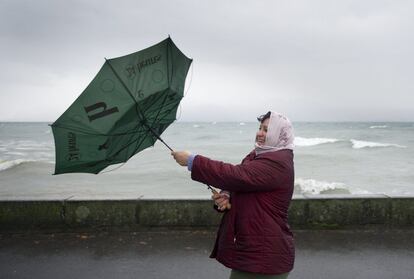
356, 158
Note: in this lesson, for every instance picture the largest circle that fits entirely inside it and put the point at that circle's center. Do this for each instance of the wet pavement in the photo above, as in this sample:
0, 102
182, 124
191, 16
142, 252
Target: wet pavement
184, 254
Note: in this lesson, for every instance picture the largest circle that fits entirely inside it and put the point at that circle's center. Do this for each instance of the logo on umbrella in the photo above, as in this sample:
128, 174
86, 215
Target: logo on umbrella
73, 154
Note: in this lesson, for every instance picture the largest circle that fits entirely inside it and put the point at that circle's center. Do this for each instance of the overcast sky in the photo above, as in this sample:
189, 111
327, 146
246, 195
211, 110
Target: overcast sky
312, 60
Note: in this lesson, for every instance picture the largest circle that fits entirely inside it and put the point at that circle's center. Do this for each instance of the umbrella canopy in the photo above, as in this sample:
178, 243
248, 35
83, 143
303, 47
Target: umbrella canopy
124, 109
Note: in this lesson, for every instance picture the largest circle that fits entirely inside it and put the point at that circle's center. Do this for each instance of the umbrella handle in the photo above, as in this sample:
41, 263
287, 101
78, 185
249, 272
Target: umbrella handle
215, 192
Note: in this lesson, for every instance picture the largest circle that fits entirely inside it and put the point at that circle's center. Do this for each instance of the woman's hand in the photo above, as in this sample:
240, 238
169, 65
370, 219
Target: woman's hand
181, 157
222, 200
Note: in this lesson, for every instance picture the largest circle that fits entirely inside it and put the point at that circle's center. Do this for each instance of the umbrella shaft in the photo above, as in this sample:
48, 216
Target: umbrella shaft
166, 144
158, 137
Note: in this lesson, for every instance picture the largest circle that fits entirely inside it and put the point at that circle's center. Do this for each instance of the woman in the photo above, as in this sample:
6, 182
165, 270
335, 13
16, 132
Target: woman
254, 238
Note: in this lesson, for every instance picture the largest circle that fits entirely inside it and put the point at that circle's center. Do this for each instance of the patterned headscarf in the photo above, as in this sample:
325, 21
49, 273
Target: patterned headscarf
279, 135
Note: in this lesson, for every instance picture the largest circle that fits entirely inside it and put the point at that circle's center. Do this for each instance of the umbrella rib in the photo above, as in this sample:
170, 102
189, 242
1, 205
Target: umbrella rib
162, 106
169, 77
138, 145
165, 98
168, 56
137, 108
128, 144
166, 90
162, 118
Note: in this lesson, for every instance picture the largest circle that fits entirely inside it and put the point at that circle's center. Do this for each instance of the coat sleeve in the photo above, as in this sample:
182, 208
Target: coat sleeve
253, 176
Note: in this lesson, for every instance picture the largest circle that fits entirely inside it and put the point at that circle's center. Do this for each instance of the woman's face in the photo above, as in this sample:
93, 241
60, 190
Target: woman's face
261, 134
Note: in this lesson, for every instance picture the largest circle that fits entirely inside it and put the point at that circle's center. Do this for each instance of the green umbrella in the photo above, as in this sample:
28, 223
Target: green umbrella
124, 109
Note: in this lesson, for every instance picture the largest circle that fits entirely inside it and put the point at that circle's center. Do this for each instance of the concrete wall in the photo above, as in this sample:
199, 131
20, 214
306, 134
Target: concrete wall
316, 211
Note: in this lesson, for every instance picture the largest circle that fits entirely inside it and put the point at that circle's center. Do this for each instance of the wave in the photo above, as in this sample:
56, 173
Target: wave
358, 144
26, 144
299, 141
206, 137
46, 148
4, 165
15, 153
312, 186
378, 127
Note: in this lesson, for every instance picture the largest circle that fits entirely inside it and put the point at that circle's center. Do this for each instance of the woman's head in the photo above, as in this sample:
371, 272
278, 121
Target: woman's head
262, 132
275, 133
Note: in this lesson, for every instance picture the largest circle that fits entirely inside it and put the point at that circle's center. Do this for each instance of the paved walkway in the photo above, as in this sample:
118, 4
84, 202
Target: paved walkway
184, 254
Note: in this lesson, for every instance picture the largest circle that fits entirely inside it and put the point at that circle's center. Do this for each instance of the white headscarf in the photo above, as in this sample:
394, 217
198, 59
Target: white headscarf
279, 135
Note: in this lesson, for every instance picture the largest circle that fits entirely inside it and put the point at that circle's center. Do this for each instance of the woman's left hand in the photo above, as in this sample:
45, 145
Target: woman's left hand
221, 200
181, 157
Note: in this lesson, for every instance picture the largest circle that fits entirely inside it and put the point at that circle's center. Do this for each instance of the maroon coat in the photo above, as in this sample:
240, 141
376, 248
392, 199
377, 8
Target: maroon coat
254, 235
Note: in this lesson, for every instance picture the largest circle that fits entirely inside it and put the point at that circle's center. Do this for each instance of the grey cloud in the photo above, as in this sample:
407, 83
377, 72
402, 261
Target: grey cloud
314, 59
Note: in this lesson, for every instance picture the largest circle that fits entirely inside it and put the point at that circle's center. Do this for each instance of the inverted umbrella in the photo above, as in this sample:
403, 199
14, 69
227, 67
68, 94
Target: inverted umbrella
124, 109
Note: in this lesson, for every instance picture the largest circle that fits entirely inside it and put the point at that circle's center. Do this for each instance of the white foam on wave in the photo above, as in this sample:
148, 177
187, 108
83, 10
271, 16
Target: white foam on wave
358, 144
31, 144
312, 186
43, 155
21, 144
299, 141
378, 127
34, 148
359, 191
15, 153
242, 123
4, 165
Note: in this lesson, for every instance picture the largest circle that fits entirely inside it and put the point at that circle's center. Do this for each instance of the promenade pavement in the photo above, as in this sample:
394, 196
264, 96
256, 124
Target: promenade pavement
184, 254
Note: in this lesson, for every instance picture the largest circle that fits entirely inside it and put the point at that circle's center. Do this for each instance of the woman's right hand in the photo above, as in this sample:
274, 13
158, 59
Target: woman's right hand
221, 200
181, 157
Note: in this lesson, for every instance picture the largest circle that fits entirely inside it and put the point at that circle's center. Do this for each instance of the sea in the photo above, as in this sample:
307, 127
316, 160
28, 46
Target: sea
357, 158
